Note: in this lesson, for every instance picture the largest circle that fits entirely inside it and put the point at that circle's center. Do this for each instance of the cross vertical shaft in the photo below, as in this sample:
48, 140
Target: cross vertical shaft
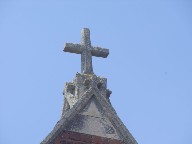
86, 57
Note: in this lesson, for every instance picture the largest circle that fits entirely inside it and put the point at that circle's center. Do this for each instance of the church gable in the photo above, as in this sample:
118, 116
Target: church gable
88, 116
91, 120
92, 108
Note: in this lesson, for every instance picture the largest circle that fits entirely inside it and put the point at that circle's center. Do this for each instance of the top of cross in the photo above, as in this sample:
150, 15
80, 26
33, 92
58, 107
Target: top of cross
85, 37
86, 51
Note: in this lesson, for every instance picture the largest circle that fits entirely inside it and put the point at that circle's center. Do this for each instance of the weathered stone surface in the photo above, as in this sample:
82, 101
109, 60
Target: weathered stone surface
82, 82
88, 116
86, 51
107, 111
91, 120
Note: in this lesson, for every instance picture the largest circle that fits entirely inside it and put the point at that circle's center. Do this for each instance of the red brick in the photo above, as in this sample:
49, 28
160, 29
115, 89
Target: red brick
105, 141
58, 141
86, 138
96, 139
65, 135
63, 142
69, 142
114, 141
75, 136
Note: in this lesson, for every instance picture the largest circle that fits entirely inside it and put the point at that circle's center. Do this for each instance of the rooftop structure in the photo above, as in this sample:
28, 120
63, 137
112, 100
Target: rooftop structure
88, 116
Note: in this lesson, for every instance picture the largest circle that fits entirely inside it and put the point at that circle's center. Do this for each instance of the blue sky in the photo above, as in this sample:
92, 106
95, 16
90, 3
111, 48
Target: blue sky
149, 68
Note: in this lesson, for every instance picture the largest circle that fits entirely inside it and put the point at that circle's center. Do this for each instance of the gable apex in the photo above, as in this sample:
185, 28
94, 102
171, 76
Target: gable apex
87, 114
108, 112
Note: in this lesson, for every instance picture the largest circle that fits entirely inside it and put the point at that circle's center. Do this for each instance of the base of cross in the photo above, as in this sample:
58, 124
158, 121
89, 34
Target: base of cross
74, 90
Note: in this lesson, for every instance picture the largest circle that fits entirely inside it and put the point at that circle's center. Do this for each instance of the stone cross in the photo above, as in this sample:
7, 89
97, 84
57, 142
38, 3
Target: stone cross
86, 51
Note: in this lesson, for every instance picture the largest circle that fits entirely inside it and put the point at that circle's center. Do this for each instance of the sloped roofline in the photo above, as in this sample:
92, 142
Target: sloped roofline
109, 111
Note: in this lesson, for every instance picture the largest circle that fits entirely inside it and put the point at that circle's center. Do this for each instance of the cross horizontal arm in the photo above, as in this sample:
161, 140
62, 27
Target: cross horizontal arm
72, 48
99, 52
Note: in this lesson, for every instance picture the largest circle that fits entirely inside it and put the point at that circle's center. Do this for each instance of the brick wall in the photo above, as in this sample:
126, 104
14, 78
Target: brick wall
78, 138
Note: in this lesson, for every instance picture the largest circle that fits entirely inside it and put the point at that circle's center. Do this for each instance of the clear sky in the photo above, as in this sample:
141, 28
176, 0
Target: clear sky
149, 68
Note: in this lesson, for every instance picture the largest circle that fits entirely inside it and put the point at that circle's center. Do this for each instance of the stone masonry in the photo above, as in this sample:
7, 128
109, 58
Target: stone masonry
88, 116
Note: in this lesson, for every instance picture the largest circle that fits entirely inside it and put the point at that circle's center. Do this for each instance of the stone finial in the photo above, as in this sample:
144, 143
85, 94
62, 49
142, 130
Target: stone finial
85, 37
86, 51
